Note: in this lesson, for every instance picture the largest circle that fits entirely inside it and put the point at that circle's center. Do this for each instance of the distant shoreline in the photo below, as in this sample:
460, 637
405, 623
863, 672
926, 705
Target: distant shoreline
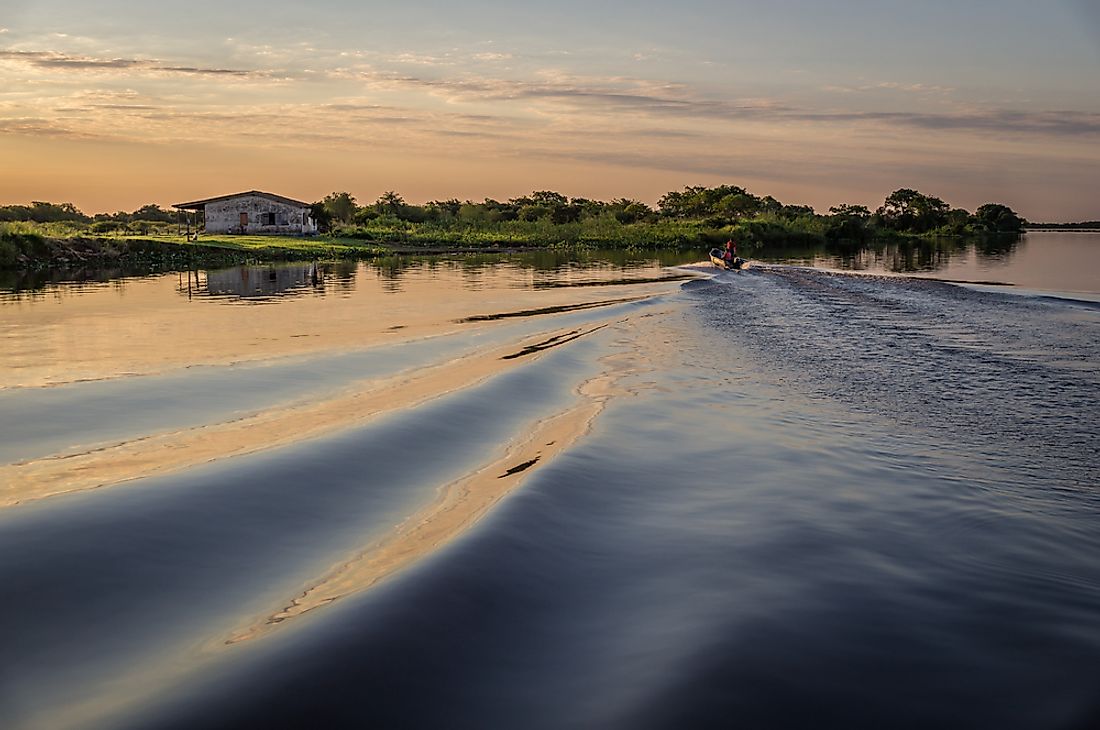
36, 252
1090, 227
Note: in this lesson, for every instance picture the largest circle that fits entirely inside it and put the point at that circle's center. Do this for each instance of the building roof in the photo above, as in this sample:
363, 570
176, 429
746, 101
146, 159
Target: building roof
200, 204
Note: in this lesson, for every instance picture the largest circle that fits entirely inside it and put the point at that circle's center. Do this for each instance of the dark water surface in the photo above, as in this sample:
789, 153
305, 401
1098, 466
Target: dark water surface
811, 499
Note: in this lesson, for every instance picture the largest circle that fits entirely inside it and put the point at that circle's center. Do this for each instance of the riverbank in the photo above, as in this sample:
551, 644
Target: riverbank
29, 250
33, 252
48, 235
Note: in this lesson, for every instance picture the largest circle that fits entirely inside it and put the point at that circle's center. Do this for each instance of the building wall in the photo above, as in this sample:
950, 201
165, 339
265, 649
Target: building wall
224, 216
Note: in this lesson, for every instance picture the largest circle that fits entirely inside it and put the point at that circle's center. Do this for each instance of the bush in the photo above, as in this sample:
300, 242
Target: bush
842, 228
18, 240
106, 226
9, 253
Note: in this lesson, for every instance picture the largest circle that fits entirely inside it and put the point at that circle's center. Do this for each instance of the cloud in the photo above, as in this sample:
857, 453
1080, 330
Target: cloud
354, 107
890, 86
36, 127
598, 118
491, 56
421, 59
468, 134
1059, 123
667, 133
346, 125
124, 107
52, 60
642, 98
107, 95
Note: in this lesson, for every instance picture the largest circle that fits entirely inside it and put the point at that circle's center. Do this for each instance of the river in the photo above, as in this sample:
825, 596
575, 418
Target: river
838, 489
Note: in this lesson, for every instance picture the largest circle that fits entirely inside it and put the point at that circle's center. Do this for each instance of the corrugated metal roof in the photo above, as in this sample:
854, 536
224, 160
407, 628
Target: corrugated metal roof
197, 204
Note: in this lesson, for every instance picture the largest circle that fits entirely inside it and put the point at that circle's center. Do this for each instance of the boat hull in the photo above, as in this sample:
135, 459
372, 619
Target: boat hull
737, 264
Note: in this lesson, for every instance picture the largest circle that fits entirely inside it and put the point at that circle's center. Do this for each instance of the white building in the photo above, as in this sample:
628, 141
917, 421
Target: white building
253, 213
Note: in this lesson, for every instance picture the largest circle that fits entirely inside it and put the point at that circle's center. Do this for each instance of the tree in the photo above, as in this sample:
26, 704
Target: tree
339, 207
390, 203
153, 212
958, 221
542, 203
120, 216
997, 218
851, 211
363, 216
728, 201
690, 202
445, 207
548, 198
472, 213
41, 212
796, 211
629, 211
737, 205
589, 208
532, 213
848, 223
911, 211
321, 216
768, 204
566, 214
498, 212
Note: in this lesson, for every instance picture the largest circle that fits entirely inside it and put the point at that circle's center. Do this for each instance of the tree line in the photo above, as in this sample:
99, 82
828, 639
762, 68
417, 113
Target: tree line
42, 212
904, 211
717, 208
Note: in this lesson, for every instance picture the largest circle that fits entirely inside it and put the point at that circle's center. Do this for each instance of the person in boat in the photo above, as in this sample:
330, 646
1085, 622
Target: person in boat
730, 254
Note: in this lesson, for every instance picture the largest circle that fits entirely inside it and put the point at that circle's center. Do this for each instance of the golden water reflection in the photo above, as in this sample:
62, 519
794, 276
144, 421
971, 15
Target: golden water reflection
136, 326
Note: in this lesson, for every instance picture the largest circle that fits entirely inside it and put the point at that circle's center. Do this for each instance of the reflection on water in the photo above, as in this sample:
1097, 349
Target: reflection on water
547, 269
1066, 262
527, 270
253, 284
30, 283
133, 322
149, 324
896, 256
1047, 260
919, 255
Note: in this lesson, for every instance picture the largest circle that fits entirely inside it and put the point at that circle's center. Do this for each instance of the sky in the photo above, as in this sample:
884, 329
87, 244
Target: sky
114, 104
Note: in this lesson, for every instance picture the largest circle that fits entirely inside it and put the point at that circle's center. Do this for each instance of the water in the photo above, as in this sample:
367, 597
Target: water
1042, 261
782, 497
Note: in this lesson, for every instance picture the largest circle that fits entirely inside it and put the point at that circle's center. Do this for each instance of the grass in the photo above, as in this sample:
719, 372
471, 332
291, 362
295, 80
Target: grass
20, 240
601, 231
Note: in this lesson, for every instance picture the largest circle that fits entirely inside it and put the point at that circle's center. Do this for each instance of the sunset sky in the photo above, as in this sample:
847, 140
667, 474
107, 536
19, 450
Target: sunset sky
112, 104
